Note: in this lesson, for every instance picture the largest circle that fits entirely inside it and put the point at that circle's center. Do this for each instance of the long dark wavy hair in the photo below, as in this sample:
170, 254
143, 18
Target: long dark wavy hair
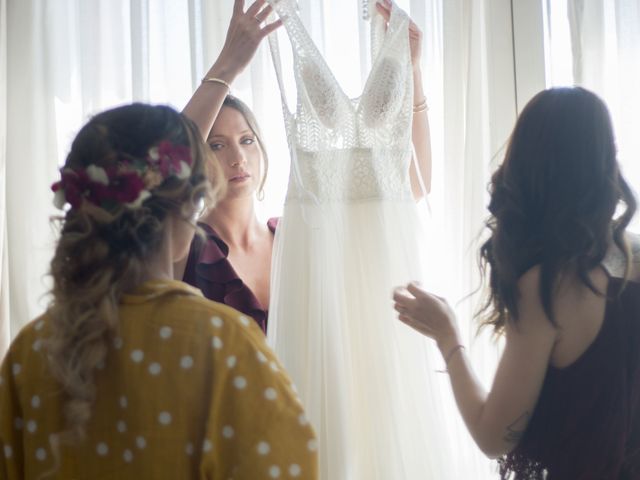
553, 201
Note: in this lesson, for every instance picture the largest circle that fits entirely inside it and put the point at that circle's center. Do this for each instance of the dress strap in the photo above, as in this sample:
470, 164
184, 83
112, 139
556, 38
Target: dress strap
287, 11
280, 8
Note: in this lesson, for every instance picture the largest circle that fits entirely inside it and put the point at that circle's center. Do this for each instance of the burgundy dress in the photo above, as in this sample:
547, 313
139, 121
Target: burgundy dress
209, 269
586, 424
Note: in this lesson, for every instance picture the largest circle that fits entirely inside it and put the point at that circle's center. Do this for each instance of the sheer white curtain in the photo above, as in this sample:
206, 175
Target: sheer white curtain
605, 41
67, 60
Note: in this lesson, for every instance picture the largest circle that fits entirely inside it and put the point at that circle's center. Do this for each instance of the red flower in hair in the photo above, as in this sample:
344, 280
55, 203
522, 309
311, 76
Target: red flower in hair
127, 184
169, 157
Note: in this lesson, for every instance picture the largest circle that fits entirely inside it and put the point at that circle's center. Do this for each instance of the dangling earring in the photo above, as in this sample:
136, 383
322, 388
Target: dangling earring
260, 194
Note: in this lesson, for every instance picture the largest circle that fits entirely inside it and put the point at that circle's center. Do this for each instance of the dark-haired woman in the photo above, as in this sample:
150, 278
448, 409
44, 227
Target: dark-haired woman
564, 289
232, 264
131, 374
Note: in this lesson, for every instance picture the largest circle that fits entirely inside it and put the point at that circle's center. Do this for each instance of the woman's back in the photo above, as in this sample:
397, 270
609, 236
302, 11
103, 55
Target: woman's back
586, 424
189, 389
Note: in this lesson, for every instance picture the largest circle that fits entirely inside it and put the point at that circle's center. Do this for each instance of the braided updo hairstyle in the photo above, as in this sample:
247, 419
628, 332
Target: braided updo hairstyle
102, 252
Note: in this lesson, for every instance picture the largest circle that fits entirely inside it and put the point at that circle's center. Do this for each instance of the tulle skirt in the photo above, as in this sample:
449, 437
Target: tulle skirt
368, 382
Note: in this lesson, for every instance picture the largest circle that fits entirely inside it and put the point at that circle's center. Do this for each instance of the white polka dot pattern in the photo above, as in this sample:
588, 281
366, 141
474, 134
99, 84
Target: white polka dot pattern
102, 449
121, 426
166, 332
217, 322
231, 361
295, 470
263, 448
188, 449
127, 456
167, 358
164, 418
274, 471
270, 394
240, 382
155, 368
137, 356
41, 454
186, 362
32, 426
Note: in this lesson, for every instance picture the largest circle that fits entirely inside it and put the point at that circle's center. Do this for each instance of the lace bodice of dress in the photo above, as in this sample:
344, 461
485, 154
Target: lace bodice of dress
349, 149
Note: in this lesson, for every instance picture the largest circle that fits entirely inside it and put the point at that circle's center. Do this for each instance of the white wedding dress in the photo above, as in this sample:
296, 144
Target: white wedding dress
350, 232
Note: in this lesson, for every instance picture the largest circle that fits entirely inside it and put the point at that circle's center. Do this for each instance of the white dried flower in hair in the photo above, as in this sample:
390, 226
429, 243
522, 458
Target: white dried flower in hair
59, 199
144, 194
98, 174
185, 171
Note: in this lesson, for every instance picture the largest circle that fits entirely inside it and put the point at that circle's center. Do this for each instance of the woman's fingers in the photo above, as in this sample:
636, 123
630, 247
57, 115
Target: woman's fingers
255, 8
401, 308
238, 7
414, 289
400, 295
271, 27
262, 15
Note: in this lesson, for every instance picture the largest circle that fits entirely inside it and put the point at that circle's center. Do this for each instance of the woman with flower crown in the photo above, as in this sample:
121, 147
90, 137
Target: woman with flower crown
129, 373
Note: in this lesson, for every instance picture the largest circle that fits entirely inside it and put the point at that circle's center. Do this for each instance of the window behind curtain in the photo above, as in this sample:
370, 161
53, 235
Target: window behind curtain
596, 44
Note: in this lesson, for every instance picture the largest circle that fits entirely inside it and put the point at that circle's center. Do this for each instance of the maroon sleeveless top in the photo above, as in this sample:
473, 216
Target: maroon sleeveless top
586, 424
209, 269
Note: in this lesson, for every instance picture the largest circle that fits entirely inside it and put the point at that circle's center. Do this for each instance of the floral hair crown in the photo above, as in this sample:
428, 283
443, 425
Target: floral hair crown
128, 183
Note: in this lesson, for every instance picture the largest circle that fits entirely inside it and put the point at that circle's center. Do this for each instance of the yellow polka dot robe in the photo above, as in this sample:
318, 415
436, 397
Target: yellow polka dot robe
189, 389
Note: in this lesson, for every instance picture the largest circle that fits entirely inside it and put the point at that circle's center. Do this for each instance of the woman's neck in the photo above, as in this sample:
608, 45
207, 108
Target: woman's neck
235, 222
159, 267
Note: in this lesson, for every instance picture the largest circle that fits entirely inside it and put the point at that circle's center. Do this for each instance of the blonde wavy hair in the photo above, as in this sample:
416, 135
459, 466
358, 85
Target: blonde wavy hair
100, 253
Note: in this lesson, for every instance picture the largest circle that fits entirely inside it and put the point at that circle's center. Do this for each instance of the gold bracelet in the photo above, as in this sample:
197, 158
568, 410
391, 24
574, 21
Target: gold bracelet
421, 107
216, 80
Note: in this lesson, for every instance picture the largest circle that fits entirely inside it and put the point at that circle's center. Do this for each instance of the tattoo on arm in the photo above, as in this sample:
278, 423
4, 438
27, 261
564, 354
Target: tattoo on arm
516, 429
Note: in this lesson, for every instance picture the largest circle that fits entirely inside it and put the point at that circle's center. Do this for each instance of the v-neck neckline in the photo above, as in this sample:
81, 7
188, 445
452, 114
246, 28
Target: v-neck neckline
354, 102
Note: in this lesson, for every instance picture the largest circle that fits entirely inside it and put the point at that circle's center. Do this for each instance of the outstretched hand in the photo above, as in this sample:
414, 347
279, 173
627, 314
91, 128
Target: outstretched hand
415, 34
427, 313
246, 31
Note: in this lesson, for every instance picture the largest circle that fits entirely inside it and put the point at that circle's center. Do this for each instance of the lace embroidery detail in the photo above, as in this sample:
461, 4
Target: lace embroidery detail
332, 136
354, 174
